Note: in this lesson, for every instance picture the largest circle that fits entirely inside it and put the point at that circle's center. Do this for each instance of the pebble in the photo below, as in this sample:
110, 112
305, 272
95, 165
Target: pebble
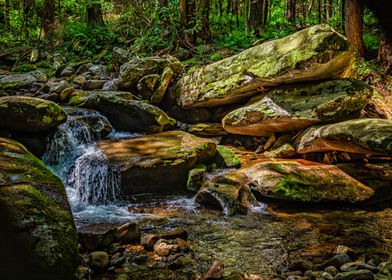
358, 266
341, 249
331, 270
336, 261
148, 241
99, 259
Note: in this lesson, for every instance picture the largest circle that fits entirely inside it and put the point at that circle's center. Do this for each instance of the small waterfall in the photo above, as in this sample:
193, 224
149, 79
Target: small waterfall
74, 157
93, 181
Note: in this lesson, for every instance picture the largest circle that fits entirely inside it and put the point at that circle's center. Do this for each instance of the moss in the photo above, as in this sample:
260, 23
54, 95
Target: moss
225, 157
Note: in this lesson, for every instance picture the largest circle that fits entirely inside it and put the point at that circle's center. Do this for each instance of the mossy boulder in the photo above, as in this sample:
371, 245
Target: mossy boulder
157, 163
137, 68
124, 113
39, 239
312, 54
292, 108
225, 157
364, 136
29, 114
291, 180
17, 81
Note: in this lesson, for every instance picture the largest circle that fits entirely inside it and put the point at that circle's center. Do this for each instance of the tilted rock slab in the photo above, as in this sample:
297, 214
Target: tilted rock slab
292, 180
29, 114
293, 108
38, 235
312, 54
157, 163
363, 136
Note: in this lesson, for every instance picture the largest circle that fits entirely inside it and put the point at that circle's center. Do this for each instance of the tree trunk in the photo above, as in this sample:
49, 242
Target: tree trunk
188, 13
246, 16
319, 11
328, 9
265, 12
290, 10
205, 21
353, 10
385, 52
94, 14
256, 16
7, 13
48, 18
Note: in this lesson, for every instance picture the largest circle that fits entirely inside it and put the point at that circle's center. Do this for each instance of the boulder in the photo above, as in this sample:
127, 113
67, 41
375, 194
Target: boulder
312, 54
123, 113
291, 180
17, 81
157, 163
147, 84
207, 129
292, 108
37, 227
363, 136
159, 92
132, 71
28, 114
191, 116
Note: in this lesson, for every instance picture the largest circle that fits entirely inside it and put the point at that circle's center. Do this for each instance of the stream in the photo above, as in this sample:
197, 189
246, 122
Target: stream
265, 242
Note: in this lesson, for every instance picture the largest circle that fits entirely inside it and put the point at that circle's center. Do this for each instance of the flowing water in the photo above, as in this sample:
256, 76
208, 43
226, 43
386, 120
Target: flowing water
263, 242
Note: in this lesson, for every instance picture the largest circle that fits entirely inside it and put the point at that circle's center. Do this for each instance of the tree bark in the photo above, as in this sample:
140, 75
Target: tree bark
256, 16
205, 21
7, 13
353, 10
385, 52
188, 13
94, 14
328, 9
265, 12
290, 10
48, 19
246, 15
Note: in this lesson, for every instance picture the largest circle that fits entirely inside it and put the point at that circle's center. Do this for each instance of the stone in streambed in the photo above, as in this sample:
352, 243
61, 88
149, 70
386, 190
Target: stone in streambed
207, 129
132, 71
312, 54
196, 177
292, 108
362, 274
29, 114
123, 112
147, 84
37, 227
157, 163
292, 180
159, 92
364, 136
99, 260
17, 81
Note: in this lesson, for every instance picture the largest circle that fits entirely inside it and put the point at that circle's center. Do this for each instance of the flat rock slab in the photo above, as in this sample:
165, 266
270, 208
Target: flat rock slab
17, 81
364, 136
157, 163
293, 108
29, 114
312, 54
291, 180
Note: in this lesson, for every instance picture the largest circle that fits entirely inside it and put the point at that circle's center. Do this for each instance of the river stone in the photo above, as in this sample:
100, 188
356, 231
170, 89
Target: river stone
312, 54
207, 129
362, 274
123, 113
196, 177
292, 108
157, 163
364, 136
17, 81
99, 259
292, 180
165, 80
29, 114
39, 239
132, 71
147, 84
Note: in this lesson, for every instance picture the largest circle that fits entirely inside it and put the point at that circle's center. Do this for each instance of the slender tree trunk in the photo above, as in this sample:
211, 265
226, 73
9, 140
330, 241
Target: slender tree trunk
353, 10
265, 12
256, 16
246, 16
319, 11
205, 18
220, 8
48, 19
94, 14
188, 13
328, 9
311, 3
290, 10
385, 52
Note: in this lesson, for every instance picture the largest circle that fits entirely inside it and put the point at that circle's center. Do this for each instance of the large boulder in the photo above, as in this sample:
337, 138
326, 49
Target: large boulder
17, 81
124, 113
312, 54
134, 70
157, 163
364, 136
292, 108
29, 114
39, 239
291, 180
